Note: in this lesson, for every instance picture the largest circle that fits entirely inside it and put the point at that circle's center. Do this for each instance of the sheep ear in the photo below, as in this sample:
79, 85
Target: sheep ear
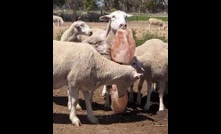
76, 25
138, 76
129, 15
105, 18
136, 64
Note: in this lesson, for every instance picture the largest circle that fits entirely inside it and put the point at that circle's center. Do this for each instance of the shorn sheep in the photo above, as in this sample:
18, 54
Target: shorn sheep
153, 55
116, 20
158, 22
103, 44
76, 28
57, 19
81, 67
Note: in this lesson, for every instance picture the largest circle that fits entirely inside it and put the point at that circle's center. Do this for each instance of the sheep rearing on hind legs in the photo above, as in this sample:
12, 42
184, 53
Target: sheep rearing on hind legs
103, 42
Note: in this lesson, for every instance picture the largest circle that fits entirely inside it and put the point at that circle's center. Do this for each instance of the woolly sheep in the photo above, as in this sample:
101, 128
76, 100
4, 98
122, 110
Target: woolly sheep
140, 50
57, 19
155, 63
76, 28
97, 32
158, 22
70, 59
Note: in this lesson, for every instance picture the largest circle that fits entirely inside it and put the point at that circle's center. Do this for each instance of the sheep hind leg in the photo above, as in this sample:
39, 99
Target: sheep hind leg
131, 94
149, 91
140, 85
74, 94
91, 117
149, 27
161, 93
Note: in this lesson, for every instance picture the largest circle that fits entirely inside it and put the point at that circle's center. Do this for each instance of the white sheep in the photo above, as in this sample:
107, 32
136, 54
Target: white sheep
97, 32
153, 55
76, 28
158, 22
116, 20
140, 50
81, 67
57, 19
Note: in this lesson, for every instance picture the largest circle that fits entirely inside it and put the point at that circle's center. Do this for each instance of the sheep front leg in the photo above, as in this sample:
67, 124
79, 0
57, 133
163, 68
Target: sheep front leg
104, 91
131, 97
140, 85
87, 98
78, 107
149, 91
161, 93
107, 97
74, 94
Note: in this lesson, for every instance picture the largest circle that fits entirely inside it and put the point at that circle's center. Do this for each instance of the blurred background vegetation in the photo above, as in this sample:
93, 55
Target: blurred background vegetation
91, 10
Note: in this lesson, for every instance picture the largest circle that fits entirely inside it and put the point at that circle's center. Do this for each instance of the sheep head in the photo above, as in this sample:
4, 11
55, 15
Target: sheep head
82, 28
119, 97
117, 19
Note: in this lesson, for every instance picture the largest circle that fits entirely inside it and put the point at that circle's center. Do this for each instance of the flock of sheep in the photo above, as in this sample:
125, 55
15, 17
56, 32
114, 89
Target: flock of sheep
82, 61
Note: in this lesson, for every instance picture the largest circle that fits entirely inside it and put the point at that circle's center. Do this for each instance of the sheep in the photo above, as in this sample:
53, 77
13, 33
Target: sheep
140, 50
158, 22
81, 67
153, 55
76, 28
116, 20
97, 32
57, 19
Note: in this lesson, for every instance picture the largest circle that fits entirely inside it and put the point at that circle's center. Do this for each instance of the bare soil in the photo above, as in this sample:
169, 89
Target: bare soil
133, 121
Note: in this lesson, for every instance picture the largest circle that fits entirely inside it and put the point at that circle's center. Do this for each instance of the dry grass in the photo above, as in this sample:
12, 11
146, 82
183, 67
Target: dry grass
141, 27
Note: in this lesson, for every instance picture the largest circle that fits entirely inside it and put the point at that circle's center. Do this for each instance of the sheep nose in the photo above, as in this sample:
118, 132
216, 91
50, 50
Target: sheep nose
123, 26
90, 33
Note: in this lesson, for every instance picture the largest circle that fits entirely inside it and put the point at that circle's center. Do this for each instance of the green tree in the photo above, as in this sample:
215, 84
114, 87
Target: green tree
89, 5
58, 2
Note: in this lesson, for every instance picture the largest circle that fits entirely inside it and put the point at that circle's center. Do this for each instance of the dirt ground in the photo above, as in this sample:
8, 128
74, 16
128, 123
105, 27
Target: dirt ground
133, 121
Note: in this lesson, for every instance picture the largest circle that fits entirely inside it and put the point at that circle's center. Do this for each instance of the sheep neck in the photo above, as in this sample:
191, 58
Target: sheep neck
110, 37
73, 34
110, 33
111, 72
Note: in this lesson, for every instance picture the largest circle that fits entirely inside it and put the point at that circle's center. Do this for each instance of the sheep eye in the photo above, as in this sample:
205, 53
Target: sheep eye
113, 16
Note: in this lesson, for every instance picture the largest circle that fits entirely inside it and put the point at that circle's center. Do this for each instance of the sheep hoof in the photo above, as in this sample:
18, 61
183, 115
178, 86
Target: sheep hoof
78, 107
131, 99
76, 121
146, 108
69, 106
94, 120
138, 102
161, 108
107, 108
